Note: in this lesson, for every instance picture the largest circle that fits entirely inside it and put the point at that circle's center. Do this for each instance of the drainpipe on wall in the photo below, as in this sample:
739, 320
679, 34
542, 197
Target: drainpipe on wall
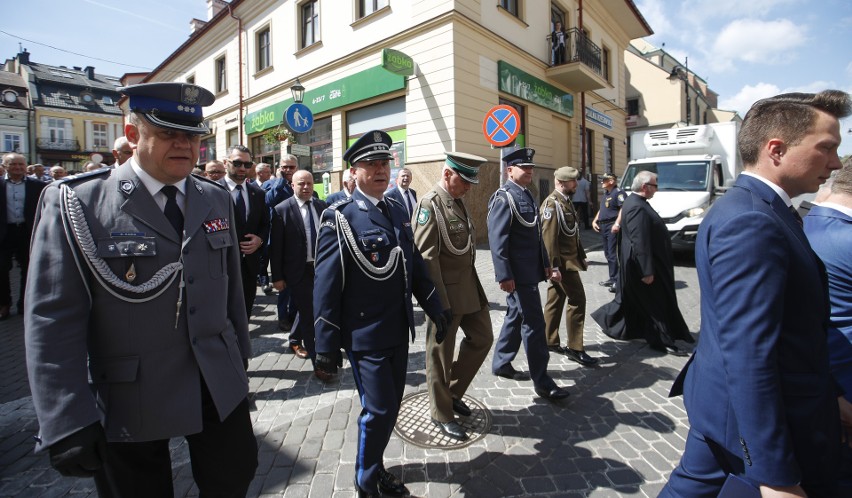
240, 66
583, 144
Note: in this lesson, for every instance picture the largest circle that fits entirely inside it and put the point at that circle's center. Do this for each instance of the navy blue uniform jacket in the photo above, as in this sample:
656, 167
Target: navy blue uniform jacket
356, 310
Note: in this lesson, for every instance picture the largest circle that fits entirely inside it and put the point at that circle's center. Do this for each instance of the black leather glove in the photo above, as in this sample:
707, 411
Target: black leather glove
329, 362
81, 454
442, 323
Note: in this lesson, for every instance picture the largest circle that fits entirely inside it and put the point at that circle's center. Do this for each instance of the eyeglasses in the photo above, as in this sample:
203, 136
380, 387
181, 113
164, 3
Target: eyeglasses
652, 184
241, 164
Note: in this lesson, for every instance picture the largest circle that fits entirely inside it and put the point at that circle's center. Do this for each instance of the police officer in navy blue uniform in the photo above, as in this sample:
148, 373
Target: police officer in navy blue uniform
520, 263
367, 269
607, 223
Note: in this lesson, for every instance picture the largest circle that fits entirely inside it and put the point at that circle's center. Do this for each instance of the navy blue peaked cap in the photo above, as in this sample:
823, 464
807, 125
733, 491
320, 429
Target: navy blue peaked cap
176, 106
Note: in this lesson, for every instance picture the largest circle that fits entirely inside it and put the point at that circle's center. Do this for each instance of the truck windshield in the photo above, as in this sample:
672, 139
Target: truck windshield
672, 175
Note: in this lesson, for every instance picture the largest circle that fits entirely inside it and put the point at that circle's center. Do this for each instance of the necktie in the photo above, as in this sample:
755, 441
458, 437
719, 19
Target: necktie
172, 211
797, 216
240, 205
312, 227
408, 202
384, 209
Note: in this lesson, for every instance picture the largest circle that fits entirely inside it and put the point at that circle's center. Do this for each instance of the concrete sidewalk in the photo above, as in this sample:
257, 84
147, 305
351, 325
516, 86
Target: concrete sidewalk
618, 434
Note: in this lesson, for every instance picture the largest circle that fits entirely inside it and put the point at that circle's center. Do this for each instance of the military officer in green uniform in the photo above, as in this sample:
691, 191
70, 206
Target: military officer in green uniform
445, 236
567, 259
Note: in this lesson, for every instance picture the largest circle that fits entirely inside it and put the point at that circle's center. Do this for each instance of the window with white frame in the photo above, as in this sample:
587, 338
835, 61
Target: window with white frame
263, 44
56, 129
12, 142
309, 23
99, 136
512, 6
367, 7
221, 74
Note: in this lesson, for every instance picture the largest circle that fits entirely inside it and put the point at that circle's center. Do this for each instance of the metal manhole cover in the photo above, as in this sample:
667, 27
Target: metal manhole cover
414, 424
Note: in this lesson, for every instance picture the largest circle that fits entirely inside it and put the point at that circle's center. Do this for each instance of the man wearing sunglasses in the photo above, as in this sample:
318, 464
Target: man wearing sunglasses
251, 217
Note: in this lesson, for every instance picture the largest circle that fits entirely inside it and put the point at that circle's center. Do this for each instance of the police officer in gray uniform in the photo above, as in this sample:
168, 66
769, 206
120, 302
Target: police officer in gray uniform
367, 269
136, 328
520, 263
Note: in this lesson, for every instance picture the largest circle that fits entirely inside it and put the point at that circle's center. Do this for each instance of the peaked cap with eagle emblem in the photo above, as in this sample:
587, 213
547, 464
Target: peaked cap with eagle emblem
175, 106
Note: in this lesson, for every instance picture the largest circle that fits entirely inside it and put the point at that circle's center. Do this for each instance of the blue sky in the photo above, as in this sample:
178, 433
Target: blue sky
744, 49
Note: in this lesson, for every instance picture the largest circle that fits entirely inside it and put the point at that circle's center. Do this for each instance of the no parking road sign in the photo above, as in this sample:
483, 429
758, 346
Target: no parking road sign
501, 125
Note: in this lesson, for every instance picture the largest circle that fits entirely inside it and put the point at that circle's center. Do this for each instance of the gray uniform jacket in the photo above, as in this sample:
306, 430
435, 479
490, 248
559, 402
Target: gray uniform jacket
93, 356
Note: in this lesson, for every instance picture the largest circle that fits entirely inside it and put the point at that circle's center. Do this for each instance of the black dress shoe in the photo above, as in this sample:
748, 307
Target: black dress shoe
363, 494
580, 357
461, 408
611, 288
606, 283
556, 349
451, 429
672, 350
390, 485
509, 372
552, 394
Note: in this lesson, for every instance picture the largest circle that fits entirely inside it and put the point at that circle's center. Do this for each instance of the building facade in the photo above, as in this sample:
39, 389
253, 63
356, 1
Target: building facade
663, 93
425, 71
76, 114
15, 114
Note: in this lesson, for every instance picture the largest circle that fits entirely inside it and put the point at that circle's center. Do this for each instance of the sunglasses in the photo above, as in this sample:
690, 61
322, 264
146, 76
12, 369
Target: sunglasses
242, 164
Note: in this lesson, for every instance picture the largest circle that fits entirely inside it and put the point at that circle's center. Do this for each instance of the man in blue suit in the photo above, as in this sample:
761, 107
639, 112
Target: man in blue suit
367, 269
520, 263
828, 226
761, 401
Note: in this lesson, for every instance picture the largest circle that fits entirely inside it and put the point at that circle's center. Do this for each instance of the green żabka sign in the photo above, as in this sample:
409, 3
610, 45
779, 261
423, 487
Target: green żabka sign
397, 62
527, 87
360, 86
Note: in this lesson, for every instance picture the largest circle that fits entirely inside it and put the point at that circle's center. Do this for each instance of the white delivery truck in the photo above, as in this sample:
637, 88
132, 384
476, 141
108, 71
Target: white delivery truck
694, 165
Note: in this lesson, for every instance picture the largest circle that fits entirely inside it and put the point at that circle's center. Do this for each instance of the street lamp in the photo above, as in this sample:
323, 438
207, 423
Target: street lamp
679, 74
298, 92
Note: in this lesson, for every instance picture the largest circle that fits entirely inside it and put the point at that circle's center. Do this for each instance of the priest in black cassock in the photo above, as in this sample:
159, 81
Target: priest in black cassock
645, 305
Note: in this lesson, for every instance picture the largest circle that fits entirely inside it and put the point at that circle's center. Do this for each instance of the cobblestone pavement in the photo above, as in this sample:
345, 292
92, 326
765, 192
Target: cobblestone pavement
617, 435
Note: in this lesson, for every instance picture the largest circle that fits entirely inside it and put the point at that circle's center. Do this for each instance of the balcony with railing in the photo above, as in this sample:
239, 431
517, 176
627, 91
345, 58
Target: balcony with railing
576, 63
58, 144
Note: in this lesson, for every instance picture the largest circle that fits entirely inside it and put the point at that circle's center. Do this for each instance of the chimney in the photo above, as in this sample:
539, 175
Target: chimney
195, 25
90, 72
24, 57
214, 7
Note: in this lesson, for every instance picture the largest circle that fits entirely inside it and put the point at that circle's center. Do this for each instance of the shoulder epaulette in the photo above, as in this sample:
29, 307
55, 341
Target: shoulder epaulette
340, 203
430, 195
83, 176
205, 179
392, 200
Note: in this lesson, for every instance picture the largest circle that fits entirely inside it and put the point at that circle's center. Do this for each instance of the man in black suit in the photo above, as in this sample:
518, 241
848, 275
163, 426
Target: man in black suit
406, 196
292, 246
21, 193
251, 217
